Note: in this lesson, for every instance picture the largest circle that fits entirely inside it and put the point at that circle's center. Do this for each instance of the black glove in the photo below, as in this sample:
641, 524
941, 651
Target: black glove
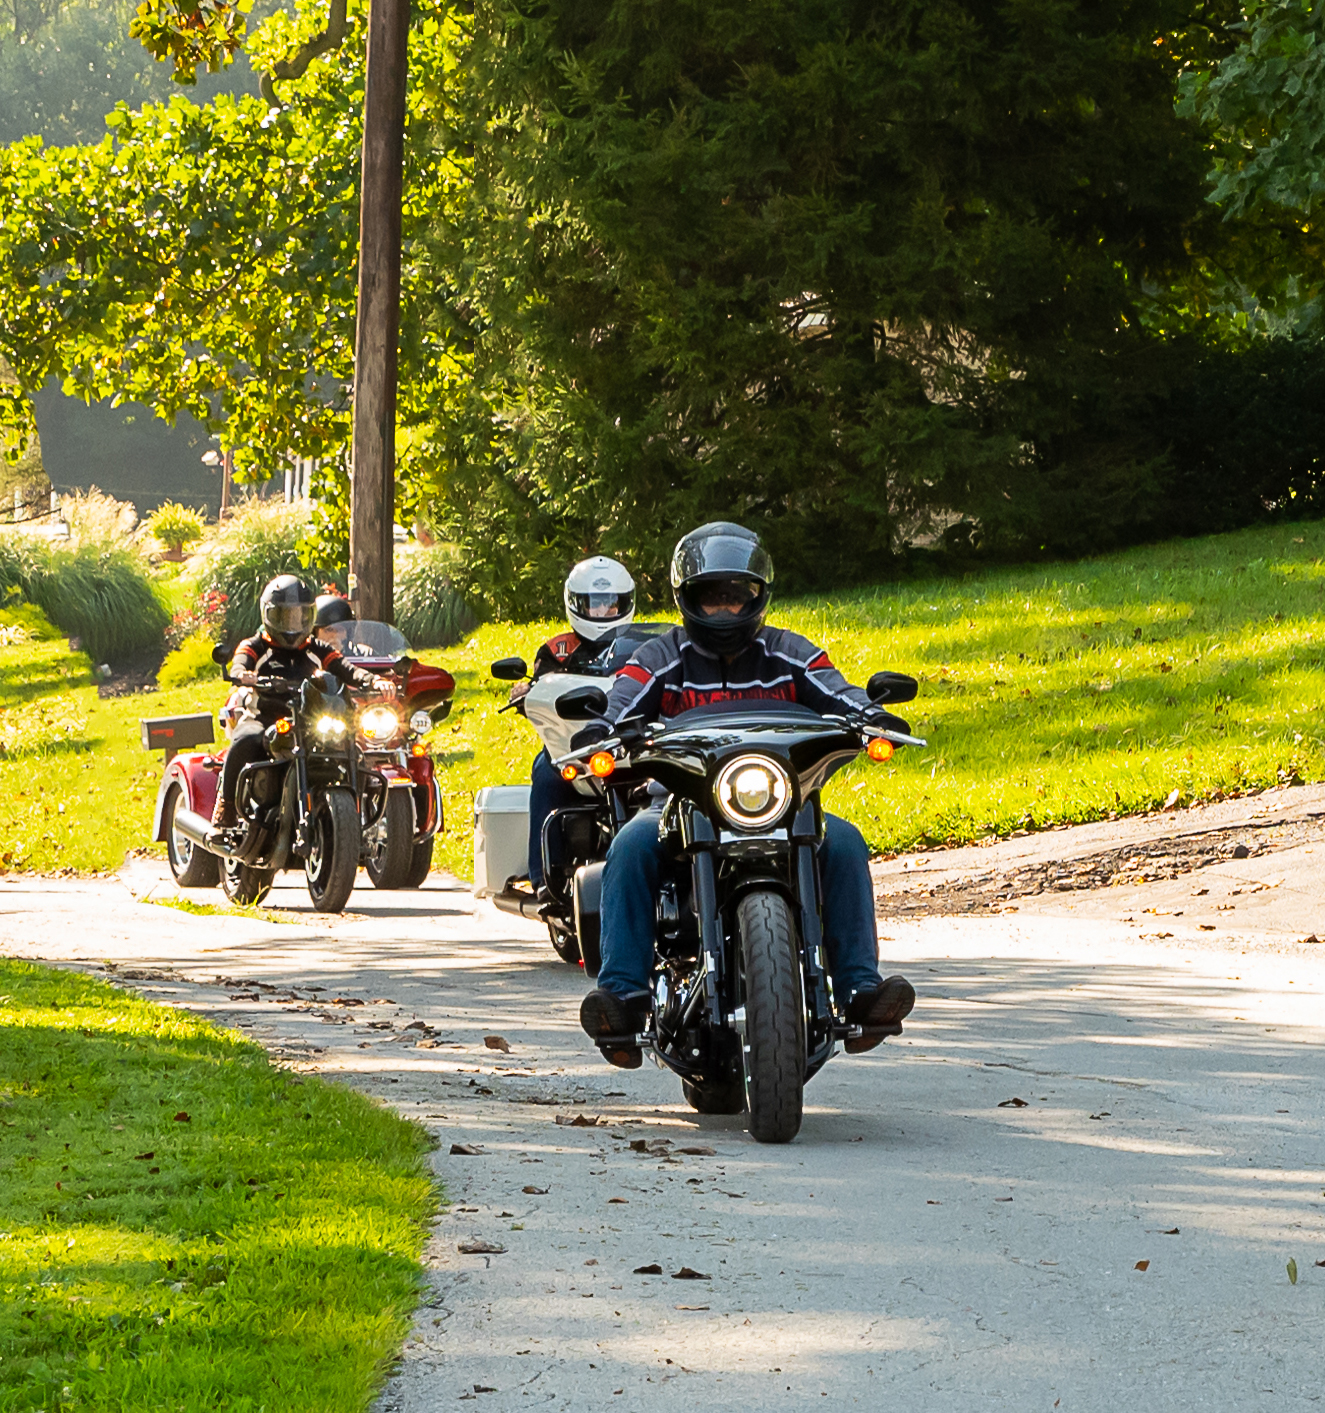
886, 721
590, 735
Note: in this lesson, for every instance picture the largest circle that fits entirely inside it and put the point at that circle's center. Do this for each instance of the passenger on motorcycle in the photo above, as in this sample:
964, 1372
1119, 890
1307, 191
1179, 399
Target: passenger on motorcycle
331, 623
284, 648
600, 601
720, 577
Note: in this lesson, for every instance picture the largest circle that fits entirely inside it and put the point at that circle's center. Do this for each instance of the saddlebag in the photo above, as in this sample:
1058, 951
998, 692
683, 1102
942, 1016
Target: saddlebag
501, 837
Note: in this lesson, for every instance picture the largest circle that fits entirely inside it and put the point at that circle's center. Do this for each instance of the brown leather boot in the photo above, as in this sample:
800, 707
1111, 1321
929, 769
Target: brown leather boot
223, 815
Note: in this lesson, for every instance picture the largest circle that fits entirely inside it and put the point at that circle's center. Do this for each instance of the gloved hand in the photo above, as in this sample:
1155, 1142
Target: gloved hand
886, 721
590, 735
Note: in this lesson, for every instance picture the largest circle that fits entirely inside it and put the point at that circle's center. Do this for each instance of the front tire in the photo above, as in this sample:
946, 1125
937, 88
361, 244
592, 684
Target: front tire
333, 855
420, 864
244, 885
774, 1058
389, 854
193, 867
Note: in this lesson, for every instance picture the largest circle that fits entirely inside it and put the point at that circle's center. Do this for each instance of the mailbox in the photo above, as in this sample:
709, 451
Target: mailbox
176, 733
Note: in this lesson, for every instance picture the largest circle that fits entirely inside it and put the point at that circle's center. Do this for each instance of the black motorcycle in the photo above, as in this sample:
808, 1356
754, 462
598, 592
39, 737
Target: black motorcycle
298, 809
741, 1004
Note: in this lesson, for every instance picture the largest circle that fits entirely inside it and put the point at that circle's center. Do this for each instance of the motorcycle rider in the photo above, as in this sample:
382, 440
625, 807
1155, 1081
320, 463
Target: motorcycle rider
284, 648
599, 595
721, 575
332, 615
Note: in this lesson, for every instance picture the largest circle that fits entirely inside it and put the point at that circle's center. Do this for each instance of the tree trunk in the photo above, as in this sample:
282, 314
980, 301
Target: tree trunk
372, 487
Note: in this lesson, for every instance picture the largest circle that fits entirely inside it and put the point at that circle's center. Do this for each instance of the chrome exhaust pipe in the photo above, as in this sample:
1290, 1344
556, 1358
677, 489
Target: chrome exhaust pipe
196, 829
518, 905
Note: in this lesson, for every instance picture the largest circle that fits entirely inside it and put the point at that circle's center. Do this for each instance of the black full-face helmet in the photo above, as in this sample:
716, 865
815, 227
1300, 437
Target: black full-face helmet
332, 609
288, 611
721, 577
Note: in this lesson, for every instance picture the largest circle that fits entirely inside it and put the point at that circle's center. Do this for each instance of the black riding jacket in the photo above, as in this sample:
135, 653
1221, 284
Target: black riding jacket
258, 654
670, 674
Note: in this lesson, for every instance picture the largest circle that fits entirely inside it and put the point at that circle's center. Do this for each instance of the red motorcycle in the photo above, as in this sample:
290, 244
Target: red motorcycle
400, 800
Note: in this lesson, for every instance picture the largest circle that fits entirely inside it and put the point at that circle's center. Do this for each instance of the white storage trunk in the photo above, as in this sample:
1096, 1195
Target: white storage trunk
501, 837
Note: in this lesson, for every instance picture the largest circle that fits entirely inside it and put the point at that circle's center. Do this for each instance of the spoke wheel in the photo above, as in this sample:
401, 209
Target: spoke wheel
774, 1057
193, 867
333, 855
389, 845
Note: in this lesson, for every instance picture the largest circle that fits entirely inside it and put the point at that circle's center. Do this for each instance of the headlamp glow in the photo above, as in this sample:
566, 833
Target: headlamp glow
752, 791
330, 726
379, 724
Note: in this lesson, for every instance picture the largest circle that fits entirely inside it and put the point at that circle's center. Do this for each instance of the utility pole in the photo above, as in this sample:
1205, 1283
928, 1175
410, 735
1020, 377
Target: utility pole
372, 486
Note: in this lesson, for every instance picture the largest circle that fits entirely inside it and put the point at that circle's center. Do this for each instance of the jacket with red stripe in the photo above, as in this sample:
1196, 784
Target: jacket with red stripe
259, 654
566, 652
670, 674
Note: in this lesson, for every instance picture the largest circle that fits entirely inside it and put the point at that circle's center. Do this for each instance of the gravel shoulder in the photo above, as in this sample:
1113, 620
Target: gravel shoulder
1085, 1085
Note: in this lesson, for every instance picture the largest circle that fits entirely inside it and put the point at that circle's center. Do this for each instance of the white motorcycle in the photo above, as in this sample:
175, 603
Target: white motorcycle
574, 836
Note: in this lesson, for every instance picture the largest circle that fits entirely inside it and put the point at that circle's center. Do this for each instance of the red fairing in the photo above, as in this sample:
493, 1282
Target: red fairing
425, 795
423, 678
197, 773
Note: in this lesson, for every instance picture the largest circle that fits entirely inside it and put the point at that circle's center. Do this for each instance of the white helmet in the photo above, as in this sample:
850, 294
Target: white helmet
600, 597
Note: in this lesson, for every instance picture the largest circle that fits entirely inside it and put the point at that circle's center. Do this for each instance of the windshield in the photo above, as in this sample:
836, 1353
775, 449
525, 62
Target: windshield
769, 708
366, 638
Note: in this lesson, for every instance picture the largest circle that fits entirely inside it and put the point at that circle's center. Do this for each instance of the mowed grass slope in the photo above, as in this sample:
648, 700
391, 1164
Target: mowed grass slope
1049, 693
186, 1227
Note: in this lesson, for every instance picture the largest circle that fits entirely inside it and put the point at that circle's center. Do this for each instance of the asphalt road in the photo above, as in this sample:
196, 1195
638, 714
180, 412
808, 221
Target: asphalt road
1075, 1183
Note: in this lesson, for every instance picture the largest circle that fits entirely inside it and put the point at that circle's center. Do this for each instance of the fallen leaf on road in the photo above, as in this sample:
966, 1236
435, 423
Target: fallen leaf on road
426, 1045
381, 1001
731, 1194
346, 1001
1205, 926
929, 1202
497, 1042
652, 1270
698, 1151
182, 1118
535, 1191
861, 1139
690, 1307
1291, 1268
1013, 1103
466, 1150
1312, 941
1002, 1199
1170, 1231
579, 1120
1141, 1266
1320, 1263
483, 1388
364, 1045
476, 1246
621, 1200
687, 1274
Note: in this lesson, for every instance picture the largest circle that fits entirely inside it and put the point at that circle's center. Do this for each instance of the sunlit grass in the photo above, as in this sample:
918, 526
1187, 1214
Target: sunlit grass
1049, 693
187, 1227
196, 909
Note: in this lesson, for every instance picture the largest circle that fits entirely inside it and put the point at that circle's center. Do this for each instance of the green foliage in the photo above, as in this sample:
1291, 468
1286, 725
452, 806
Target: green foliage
175, 525
265, 1203
191, 32
257, 544
99, 595
190, 662
429, 610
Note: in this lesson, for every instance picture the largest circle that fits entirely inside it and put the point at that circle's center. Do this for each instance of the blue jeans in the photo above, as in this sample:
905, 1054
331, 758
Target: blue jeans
629, 908
547, 792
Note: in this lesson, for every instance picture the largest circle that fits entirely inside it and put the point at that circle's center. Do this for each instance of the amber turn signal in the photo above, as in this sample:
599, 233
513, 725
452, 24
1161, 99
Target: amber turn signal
418, 749
879, 749
602, 763
568, 772
284, 726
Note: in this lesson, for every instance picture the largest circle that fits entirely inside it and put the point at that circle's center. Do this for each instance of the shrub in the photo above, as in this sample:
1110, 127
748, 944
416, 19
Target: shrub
190, 662
94, 518
429, 610
175, 526
101, 596
256, 544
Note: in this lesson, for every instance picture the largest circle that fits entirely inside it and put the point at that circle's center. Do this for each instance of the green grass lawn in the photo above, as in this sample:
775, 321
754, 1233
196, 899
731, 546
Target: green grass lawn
186, 1227
1049, 694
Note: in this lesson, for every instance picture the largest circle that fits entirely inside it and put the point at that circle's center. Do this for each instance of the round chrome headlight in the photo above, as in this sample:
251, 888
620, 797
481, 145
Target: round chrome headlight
752, 791
379, 724
420, 723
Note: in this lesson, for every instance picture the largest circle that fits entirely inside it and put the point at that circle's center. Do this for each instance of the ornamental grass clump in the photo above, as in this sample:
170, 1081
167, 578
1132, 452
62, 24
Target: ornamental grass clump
429, 609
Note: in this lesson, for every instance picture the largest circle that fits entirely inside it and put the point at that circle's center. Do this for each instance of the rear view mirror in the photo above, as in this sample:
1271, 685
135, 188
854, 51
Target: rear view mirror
221, 654
510, 669
891, 687
583, 704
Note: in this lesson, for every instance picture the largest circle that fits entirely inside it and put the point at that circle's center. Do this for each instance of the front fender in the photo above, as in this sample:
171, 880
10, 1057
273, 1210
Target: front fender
197, 773
427, 798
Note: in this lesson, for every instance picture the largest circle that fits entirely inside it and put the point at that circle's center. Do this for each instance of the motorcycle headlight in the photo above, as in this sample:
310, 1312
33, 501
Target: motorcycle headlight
329, 726
752, 791
379, 724
420, 723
